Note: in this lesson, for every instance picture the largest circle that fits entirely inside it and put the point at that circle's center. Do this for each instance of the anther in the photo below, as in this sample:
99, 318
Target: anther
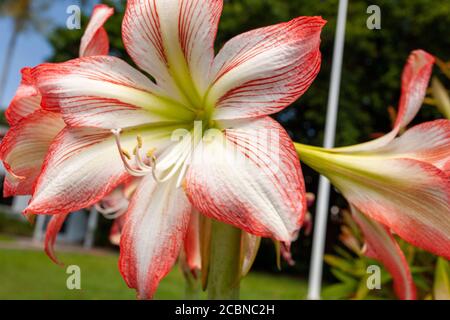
126, 154
151, 153
141, 169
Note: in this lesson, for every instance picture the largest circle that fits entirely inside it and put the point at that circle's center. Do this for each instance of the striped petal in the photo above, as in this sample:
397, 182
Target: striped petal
53, 228
173, 40
263, 71
249, 249
23, 150
153, 235
415, 79
115, 233
103, 92
26, 100
95, 39
410, 197
84, 165
428, 142
416, 76
381, 246
249, 176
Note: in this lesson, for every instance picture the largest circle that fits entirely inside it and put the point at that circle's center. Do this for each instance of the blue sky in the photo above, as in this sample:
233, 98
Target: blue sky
32, 47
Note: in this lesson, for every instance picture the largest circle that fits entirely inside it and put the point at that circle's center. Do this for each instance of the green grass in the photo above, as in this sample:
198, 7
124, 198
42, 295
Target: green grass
26, 274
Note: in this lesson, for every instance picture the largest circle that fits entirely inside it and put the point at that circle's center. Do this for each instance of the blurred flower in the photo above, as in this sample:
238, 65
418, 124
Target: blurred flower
33, 129
403, 182
441, 97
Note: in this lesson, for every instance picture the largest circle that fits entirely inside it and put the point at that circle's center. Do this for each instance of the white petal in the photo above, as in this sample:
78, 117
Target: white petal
263, 71
428, 142
249, 176
24, 148
84, 165
104, 92
155, 227
416, 75
173, 40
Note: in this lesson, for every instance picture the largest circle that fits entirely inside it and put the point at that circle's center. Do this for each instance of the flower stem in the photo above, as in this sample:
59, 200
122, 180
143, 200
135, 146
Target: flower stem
224, 270
192, 289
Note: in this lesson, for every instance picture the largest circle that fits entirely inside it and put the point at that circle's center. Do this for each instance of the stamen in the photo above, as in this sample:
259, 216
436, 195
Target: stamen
181, 175
175, 160
140, 162
126, 154
150, 153
137, 172
139, 141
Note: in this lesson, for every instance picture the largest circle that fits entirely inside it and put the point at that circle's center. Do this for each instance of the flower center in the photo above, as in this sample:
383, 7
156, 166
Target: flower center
173, 158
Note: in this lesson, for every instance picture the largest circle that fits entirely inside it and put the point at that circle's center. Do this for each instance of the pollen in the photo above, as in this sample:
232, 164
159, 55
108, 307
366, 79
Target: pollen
184, 185
139, 141
151, 153
126, 154
141, 167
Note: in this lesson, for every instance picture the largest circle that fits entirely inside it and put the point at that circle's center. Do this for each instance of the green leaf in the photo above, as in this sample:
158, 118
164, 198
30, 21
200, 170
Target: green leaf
362, 291
343, 277
339, 291
343, 253
441, 290
339, 263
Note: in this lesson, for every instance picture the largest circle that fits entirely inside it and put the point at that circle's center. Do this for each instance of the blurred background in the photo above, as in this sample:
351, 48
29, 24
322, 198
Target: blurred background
34, 31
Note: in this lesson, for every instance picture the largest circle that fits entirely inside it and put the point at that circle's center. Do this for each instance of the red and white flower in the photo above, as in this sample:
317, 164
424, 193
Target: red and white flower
104, 101
33, 129
402, 183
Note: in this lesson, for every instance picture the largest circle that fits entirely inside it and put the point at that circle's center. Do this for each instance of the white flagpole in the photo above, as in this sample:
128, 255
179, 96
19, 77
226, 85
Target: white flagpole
320, 221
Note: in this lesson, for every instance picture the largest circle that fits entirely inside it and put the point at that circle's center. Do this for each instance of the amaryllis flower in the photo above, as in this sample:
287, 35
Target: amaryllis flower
104, 101
402, 183
33, 129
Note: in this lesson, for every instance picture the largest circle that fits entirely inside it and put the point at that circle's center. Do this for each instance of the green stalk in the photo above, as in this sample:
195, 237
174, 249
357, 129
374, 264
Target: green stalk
192, 289
224, 269
315, 157
360, 168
